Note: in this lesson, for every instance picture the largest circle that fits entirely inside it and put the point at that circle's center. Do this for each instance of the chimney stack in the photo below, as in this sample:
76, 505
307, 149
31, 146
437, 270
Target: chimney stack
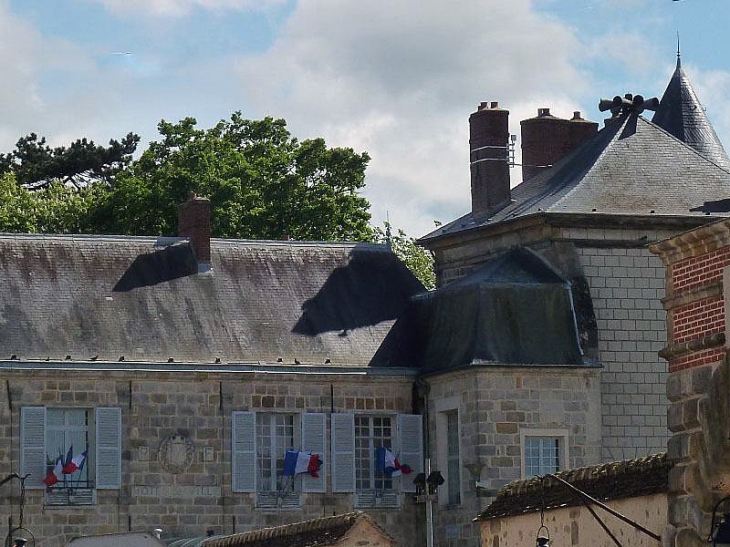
547, 139
194, 223
488, 144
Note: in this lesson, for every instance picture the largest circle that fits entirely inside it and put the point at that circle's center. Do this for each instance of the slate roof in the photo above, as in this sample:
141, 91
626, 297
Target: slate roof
608, 481
630, 167
489, 318
681, 114
312, 533
96, 297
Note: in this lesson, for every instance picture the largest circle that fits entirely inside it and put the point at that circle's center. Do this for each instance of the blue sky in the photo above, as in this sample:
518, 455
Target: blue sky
396, 78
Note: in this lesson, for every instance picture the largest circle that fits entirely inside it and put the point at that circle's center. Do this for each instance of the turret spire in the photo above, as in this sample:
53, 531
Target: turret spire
681, 114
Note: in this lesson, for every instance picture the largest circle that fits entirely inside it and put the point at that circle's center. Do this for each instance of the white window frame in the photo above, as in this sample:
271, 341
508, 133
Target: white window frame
441, 409
278, 497
33, 418
561, 435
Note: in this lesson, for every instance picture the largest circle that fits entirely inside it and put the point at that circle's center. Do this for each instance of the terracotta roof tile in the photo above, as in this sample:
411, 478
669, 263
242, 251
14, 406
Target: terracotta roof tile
608, 481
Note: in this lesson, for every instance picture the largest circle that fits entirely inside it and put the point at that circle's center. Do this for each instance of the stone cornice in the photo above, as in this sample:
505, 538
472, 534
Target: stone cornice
695, 242
672, 351
676, 300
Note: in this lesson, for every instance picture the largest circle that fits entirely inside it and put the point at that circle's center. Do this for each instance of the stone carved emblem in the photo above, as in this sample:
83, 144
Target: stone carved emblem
176, 453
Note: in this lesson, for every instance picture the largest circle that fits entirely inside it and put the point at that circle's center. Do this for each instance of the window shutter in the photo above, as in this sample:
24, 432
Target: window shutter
33, 445
343, 452
108, 448
314, 431
410, 434
243, 452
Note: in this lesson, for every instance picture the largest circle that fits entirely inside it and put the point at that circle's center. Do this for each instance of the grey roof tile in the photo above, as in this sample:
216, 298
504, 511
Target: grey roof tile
128, 296
681, 114
630, 167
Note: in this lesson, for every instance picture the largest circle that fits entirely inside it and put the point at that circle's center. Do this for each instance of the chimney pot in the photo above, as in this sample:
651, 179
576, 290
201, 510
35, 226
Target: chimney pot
543, 112
194, 223
483, 105
576, 115
495, 104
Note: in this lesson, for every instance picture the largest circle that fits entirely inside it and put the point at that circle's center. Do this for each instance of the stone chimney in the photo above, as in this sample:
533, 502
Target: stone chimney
547, 139
193, 218
488, 141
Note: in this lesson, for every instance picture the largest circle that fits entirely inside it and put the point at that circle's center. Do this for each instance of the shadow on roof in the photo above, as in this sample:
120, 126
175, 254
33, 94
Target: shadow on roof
372, 288
158, 267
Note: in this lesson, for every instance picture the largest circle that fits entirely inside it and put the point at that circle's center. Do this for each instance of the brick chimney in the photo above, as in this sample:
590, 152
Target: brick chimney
488, 140
547, 139
193, 218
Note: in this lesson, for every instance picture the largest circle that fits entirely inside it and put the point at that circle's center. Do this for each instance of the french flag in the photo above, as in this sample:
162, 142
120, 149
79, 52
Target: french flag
75, 463
55, 474
386, 462
296, 462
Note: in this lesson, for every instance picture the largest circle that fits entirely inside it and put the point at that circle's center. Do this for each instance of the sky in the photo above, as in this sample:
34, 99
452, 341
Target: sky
395, 78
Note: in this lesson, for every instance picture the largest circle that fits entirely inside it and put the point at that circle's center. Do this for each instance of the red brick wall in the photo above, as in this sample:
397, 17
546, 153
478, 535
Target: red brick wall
696, 271
699, 307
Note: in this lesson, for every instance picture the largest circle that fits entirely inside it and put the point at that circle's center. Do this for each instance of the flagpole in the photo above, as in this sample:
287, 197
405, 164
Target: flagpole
429, 509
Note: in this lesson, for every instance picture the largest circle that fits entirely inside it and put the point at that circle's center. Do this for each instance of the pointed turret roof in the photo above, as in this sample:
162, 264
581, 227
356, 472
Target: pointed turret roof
681, 114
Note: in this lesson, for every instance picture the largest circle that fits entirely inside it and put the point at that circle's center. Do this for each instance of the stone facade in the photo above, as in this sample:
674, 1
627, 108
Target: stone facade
496, 407
626, 285
699, 378
196, 406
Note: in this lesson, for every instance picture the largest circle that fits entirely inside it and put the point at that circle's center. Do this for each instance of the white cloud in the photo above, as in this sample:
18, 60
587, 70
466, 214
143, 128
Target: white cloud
176, 8
399, 80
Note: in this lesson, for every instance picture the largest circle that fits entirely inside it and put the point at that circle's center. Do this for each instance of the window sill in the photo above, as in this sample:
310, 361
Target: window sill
67, 497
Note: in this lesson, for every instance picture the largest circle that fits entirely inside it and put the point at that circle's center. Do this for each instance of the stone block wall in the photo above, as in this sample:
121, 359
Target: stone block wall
197, 406
627, 286
496, 404
699, 378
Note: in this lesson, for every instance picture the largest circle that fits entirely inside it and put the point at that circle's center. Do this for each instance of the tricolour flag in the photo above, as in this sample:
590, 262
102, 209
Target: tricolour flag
55, 474
75, 464
386, 462
296, 462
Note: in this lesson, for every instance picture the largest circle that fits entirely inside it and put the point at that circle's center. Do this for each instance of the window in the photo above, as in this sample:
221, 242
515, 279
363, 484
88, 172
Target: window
543, 451
68, 434
370, 433
259, 444
47, 434
453, 465
374, 489
354, 442
275, 434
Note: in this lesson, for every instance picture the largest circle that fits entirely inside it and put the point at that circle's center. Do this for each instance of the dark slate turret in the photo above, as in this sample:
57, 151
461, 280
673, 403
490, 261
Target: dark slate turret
681, 114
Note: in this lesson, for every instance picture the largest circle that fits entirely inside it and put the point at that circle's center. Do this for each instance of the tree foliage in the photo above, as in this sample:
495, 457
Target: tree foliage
416, 258
36, 164
262, 184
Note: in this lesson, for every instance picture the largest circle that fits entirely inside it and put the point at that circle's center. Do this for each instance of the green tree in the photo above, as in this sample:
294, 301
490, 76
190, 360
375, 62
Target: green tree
416, 258
262, 184
35, 163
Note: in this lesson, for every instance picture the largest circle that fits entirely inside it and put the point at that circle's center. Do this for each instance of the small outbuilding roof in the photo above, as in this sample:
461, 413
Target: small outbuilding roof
311, 533
616, 480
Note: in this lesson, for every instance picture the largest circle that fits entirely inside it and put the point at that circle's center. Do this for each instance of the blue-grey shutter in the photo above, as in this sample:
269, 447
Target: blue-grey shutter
343, 452
243, 452
314, 432
108, 455
410, 434
33, 445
